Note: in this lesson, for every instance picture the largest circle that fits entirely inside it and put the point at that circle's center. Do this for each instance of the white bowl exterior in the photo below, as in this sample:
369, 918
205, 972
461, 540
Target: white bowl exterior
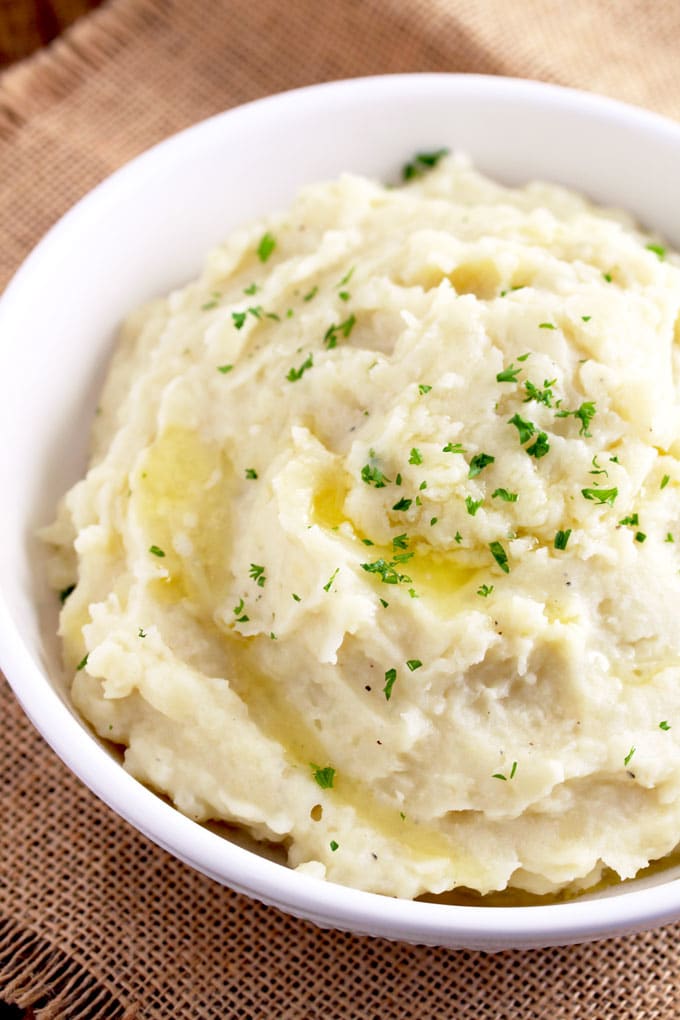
145, 230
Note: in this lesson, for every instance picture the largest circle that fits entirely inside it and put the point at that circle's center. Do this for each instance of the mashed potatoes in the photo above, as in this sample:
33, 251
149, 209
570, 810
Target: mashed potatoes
377, 553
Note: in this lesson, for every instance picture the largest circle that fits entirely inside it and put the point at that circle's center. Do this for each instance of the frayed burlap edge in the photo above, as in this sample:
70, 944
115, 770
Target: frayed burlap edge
52, 73
37, 975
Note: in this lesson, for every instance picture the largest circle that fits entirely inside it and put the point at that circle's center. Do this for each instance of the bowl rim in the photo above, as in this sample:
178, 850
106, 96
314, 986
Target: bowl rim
326, 903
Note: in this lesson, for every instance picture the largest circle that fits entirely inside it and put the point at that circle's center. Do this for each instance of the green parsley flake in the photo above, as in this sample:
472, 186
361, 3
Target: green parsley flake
333, 845
331, 335
141, 633
472, 505
526, 429
387, 570
508, 374
325, 777
663, 725
372, 475
478, 463
390, 678
500, 556
251, 473
601, 496
585, 413
224, 368
539, 447
347, 277
423, 388
453, 448
640, 536
209, 305
312, 293
239, 319
458, 538
541, 396
156, 551
421, 163
296, 373
400, 542
83, 662
507, 497
546, 325
295, 597
630, 754
669, 537
252, 289
402, 504
631, 519
413, 664
586, 318
415, 457
327, 586
499, 775
257, 573
664, 481
485, 590
607, 277
658, 250
433, 521
561, 539
266, 246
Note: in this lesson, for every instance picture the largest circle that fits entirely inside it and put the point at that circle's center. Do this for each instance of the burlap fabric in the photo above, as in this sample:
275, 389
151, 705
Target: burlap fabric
94, 920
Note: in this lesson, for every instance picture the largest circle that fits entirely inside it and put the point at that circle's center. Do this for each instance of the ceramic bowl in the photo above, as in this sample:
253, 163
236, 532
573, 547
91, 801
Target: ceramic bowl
146, 230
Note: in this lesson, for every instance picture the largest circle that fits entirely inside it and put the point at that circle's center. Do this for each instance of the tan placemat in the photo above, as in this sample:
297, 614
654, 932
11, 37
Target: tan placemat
94, 920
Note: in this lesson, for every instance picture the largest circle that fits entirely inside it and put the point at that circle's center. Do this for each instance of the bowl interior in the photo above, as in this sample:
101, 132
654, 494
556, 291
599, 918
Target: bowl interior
146, 230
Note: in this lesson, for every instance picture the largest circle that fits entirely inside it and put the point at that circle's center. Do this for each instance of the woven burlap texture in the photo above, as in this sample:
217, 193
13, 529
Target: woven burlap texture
94, 920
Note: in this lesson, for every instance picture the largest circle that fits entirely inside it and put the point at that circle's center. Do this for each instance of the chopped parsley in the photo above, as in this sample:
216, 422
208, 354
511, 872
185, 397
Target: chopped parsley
224, 368
508, 374
507, 497
312, 293
413, 664
669, 537
83, 662
295, 597
421, 163
325, 777
141, 633
539, 447
252, 289
333, 845
478, 463
601, 496
458, 538
500, 556
372, 475
423, 388
630, 754
607, 277
658, 250
400, 542
238, 612
485, 590
65, 592
266, 246
156, 551
402, 504
526, 429
663, 725
209, 305
251, 473
387, 570
546, 325
433, 521
561, 539
347, 277
640, 536
631, 519
330, 338
472, 505
329, 582
390, 678
453, 448
297, 373
415, 456
585, 413
257, 573
239, 319
664, 481
541, 396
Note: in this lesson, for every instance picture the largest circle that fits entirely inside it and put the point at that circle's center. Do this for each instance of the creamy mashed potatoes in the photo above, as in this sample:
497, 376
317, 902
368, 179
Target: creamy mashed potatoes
377, 552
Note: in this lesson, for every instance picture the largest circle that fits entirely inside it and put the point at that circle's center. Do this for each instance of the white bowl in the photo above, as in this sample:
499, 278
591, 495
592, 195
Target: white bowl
145, 230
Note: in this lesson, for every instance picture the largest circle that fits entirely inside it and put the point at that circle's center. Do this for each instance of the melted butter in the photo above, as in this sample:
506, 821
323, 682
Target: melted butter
184, 478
